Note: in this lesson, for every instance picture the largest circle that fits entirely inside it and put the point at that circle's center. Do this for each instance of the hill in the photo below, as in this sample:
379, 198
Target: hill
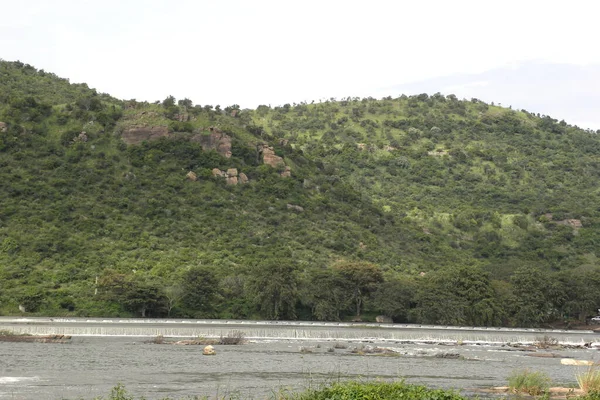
426, 209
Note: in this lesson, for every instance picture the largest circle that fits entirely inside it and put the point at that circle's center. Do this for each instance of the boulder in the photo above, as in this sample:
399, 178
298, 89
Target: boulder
216, 140
192, 176
218, 172
243, 178
231, 180
3, 127
232, 172
139, 134
383, 319
209, 351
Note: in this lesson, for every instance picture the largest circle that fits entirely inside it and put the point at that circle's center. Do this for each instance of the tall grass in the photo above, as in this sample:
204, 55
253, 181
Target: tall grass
589, 381
528, 382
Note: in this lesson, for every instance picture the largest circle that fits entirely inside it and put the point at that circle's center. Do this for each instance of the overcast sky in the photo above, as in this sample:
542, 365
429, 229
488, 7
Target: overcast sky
253, 52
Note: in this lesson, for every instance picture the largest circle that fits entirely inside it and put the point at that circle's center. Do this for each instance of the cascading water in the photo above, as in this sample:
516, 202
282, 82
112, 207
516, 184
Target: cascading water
284, 330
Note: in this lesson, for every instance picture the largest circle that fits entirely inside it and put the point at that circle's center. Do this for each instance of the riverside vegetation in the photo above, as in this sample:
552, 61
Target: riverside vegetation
426, 209
375, 390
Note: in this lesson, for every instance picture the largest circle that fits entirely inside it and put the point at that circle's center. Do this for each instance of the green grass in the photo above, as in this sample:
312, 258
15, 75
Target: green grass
528, 382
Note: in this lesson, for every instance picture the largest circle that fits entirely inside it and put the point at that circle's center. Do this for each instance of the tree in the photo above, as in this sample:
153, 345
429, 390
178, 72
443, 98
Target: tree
394, 297
536, 296
168, 102
327, 294
199, 286
361, 277
457, 296
274, 288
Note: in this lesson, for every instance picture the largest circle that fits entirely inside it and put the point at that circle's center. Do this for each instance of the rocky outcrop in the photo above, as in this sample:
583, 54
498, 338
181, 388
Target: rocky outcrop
192, 176
231, 176
3, 127
269, 157
139, 134
217, 140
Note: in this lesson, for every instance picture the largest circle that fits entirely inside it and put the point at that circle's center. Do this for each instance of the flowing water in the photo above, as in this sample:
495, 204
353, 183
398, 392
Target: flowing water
278, 356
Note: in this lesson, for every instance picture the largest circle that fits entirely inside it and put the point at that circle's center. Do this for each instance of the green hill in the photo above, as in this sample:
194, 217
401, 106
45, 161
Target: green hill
427, 209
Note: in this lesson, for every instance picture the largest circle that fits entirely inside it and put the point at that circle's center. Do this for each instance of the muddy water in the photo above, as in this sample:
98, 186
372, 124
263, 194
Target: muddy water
91, 365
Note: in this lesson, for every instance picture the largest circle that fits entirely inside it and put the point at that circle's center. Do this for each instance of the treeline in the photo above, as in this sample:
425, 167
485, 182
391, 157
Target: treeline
351, 291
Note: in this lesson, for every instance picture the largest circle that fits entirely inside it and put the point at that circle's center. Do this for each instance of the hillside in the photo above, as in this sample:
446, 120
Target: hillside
427, 209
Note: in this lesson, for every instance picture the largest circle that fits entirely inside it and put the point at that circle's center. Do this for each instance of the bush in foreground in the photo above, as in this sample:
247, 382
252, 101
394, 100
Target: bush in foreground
373, 391
528, 382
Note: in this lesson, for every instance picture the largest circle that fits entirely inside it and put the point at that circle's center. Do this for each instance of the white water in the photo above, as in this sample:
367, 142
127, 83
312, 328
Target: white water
304, 331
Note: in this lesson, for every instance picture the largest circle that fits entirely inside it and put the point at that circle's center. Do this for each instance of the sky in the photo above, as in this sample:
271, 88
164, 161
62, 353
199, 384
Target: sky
537, 55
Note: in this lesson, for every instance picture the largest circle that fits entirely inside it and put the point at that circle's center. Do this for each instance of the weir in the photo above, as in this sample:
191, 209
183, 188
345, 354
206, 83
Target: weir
284, 330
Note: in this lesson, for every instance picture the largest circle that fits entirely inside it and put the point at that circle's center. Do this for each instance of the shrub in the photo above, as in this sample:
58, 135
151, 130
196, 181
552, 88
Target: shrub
545, 342
232, 338
374, 391
532, 383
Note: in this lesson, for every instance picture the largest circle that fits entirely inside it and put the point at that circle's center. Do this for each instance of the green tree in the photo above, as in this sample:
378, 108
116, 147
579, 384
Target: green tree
274, 289
361, 278
199, 286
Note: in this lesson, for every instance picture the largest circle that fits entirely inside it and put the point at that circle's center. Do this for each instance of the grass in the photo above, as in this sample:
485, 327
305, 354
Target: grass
528, 382
589, 381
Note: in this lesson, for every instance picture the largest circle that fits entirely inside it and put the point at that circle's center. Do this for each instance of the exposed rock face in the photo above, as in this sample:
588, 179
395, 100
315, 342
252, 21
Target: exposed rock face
294, 207
216, 140
269, 156
383, 319
3, 127
243, 178
192, 176
138, 134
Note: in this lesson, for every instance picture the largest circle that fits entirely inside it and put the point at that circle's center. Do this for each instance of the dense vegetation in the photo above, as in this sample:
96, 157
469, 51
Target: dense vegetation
427, 209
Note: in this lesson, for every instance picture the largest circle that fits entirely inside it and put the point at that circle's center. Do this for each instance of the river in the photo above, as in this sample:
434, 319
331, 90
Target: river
277, 356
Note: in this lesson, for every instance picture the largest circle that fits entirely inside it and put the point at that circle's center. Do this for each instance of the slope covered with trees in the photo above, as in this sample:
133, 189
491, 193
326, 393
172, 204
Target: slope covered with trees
427, 209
